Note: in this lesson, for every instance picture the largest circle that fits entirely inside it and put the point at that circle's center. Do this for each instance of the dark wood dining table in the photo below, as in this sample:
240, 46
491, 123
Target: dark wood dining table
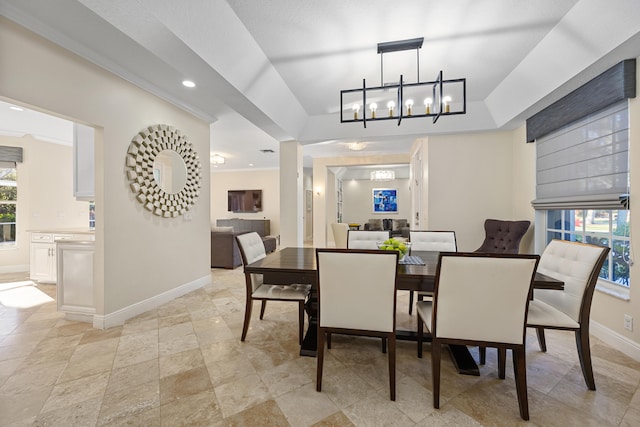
298, 265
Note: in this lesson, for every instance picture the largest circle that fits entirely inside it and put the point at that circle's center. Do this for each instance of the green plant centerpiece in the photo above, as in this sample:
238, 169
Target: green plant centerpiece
395, 245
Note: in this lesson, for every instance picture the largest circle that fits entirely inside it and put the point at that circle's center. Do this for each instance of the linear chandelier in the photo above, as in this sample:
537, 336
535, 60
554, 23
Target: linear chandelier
439, 97
382, 175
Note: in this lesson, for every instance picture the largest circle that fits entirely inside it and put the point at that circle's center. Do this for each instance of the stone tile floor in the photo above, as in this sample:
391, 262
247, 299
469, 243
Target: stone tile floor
183, 365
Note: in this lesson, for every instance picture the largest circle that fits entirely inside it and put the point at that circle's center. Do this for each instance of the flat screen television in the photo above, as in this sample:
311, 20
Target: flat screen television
244, 200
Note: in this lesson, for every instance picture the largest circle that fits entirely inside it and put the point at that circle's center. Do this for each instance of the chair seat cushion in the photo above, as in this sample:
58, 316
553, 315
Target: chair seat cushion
284, 292
424, 309
542, 314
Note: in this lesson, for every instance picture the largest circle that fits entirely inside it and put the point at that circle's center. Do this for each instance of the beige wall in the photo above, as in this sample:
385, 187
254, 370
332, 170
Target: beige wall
138, 255
358, 204
469, 181
267, 180
45, 196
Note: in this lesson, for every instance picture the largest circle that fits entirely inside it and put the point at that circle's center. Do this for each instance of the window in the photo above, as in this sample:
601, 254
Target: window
582, 185
600, 227
8, 201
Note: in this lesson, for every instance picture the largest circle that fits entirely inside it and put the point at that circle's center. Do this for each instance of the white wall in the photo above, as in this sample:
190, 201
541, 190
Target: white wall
357, 201
45, 196
139, 256
267, 180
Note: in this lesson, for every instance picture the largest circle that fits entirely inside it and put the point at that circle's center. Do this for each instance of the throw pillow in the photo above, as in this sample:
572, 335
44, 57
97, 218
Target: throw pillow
399, 224
375, 225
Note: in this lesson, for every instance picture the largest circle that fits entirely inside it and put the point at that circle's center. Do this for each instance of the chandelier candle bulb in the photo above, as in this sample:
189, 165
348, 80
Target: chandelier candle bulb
427, 105
447, 102
409, 104
390, 106
373, 107
356, 108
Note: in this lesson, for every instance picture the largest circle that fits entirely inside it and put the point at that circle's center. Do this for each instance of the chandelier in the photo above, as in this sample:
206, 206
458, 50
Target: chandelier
382, 175
217, 159
439, 97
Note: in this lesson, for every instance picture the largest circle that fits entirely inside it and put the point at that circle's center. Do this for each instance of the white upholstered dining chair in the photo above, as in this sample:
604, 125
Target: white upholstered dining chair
340, 231
357, 296
358, 239
480, 299
439, 241
252, 250
578, 265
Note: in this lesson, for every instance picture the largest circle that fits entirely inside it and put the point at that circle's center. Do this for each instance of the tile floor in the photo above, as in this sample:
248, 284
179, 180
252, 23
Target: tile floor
184, 365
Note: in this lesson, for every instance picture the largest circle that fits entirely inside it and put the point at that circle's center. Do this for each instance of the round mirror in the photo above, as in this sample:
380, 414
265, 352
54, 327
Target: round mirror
169, 171
164, 170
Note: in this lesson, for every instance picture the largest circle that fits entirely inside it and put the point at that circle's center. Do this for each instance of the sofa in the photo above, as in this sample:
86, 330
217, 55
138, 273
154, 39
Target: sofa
396, 227
225, 252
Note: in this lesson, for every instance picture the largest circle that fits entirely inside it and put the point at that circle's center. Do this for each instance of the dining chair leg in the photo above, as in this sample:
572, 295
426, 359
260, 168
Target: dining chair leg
392, 364
410, 302
502, 362
319, 359
247, 317
300, 321
584, 354
384, 345
419, 335
328, 340
482, 352
262, 307
435, 371
520, 372
541, 340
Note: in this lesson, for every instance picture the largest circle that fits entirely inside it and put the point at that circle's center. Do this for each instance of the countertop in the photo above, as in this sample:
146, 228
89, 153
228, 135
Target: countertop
78, 230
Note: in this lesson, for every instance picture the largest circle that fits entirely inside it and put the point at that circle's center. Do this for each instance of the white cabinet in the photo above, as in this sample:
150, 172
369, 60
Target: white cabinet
75, 279
42, 263
83, 162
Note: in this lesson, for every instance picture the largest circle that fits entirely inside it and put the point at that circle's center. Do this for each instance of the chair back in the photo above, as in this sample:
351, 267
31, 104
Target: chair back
441, 241
340, 231
357, 289
251, 250
482, 297
503, 236
365, 239
578, 265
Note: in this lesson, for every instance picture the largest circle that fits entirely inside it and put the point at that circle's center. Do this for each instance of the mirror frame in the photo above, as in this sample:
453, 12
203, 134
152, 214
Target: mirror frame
142, 152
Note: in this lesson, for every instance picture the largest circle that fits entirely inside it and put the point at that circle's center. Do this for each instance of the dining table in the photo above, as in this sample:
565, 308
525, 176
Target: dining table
298, 265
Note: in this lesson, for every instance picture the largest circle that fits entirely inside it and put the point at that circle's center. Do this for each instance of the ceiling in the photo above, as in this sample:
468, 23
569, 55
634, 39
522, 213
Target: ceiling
271, 71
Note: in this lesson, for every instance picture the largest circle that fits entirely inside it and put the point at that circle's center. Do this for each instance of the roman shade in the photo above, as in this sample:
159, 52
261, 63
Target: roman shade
9, 156
585, 165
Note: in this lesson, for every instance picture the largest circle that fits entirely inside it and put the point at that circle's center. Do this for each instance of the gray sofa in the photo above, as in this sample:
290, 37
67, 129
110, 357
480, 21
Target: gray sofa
225, 252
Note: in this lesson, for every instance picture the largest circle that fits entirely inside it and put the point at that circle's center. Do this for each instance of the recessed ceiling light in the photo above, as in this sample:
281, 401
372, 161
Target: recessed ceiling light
13, 107
188, 83
250, 164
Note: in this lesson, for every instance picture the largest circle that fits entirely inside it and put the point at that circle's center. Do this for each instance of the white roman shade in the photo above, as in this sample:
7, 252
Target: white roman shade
585, 165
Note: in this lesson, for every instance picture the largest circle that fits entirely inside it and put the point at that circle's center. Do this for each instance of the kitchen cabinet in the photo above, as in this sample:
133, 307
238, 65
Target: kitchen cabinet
83, 162
75, 260
43, 262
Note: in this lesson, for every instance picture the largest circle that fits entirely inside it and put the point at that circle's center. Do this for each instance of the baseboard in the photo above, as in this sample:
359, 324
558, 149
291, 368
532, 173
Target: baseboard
14, 269
615, 340
119, 317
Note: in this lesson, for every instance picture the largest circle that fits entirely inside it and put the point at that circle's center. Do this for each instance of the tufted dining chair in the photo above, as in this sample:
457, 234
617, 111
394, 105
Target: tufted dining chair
503, 236
252, 250
357, 300
357, 239
480, 299
440, 241
578, 265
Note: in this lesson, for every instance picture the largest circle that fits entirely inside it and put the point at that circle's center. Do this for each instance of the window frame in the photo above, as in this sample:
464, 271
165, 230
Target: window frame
10, 244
